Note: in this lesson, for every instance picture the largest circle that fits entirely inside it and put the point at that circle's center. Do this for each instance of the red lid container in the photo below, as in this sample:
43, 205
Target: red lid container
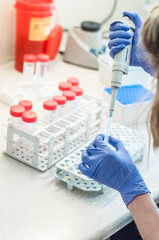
27, 104
29, 116
43, 57
77, 90
64, 86
74, 81
31, 58
61, 100
50, 105
69, 95
16, 111
33, 26
33, 5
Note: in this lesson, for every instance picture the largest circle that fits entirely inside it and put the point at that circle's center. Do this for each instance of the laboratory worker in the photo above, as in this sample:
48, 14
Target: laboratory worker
115, 168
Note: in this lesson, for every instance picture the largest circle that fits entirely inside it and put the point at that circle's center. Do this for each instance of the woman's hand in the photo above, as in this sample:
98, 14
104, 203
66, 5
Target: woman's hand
120, 37
114, 168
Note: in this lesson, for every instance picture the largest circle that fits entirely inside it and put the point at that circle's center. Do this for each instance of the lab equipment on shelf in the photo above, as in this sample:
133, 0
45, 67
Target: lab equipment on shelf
50, 142
74, 81
84, 44
27, 104
16, 115
67, 169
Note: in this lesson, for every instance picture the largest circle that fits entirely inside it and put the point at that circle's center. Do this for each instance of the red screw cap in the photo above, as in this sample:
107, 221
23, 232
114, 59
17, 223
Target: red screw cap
43, 57
69, 95
29, 116
16, 110
28, 105
29, 58
61, 100
50, 105
77, 90
74, 81
64, 86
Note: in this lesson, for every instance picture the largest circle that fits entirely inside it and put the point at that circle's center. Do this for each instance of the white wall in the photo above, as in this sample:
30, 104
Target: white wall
71, 13
7, 20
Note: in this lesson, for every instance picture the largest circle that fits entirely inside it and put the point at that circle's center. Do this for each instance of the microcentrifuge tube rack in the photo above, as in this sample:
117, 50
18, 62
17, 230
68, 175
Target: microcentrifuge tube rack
53, 141
67, 169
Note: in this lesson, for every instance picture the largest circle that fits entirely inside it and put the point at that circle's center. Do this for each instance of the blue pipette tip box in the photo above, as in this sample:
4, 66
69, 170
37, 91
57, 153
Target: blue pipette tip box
132, 94
132, 103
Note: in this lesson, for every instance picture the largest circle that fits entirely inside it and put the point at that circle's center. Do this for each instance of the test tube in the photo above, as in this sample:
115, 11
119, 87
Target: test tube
29, 119
64, 86
79, 93
27, 104
74, 81
29, 62
16, 115
41, 66
61, 101
50, 107
70, 96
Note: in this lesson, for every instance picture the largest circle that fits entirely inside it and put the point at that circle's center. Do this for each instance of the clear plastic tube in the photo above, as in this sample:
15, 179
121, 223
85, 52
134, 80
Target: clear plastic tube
29, 62
49, 107
16, 121
61, 108
29, 119
41, 67
70, 96
16, 115
79, 95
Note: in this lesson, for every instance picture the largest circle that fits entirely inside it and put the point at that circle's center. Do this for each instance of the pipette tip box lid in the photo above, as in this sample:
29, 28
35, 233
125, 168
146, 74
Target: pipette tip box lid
132, 103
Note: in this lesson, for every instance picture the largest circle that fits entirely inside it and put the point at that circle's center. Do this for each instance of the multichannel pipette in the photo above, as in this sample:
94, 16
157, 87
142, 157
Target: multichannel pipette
120, 67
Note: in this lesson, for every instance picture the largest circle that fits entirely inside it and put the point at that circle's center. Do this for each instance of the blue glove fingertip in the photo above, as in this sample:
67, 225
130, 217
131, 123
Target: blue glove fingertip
82, 167
134, 16
99, 141
100, 137
116, 143
118, 26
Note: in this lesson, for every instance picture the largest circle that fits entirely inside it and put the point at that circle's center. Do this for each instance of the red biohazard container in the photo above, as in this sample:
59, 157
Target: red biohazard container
36, 29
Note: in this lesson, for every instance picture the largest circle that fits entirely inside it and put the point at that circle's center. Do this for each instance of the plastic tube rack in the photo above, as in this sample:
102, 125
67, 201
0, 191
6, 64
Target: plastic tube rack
51, 142
67, 169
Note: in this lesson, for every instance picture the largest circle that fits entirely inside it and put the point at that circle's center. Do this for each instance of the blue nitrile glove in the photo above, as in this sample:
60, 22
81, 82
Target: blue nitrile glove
114, 168
120, 37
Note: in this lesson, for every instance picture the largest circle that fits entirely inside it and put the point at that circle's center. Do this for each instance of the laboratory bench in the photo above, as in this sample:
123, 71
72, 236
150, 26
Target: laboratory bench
36, 205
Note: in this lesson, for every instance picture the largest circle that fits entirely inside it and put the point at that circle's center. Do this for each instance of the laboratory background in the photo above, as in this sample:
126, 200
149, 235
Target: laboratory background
56, 95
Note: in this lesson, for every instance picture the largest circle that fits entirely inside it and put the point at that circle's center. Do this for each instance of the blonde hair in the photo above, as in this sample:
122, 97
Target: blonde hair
150, 40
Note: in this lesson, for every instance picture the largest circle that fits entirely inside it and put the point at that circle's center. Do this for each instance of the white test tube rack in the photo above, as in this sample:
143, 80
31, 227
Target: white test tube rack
67, 169
54, 141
